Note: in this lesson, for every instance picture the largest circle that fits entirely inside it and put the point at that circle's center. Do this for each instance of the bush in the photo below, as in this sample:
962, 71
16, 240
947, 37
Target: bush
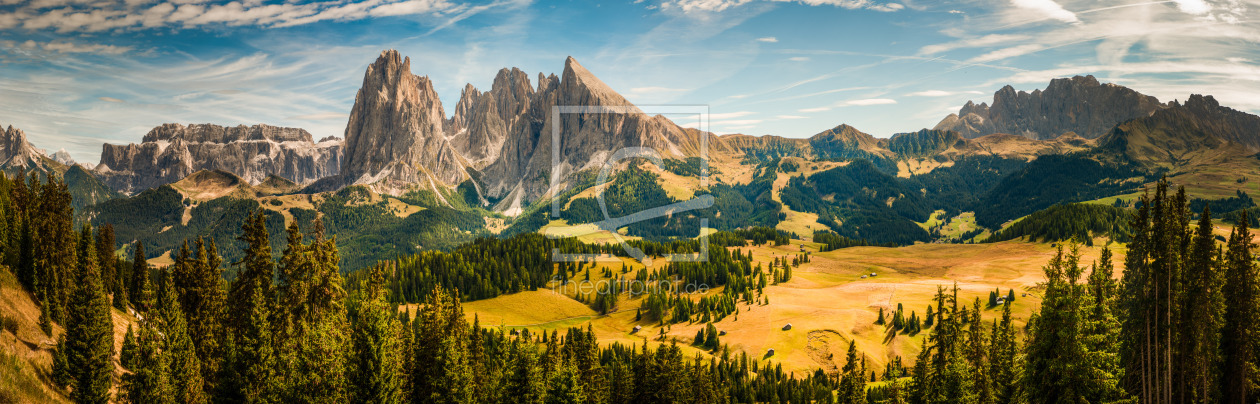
9, 324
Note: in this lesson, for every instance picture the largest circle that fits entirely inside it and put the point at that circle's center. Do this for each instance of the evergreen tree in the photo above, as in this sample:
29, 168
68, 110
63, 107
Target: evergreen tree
106, 260
89, 331
377, 370
127, 355
1201, 317
139, 288
149, 380
1240, 334
184, 365
852, 386
1003, 364
252, 359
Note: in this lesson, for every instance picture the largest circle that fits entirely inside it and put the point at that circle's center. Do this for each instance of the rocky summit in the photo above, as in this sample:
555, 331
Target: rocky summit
171, 152
17, 153
1079, 105
399, 138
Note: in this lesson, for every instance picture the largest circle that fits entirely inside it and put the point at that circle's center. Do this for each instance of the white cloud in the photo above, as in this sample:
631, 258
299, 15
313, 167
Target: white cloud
815, 109
67, 16
1007, 53
768, 39
790, 117
62, 46
112, 99
976, 42
939, 93
799, 59
711, 6
1047, 9
956, 12
868, 101
1196, 7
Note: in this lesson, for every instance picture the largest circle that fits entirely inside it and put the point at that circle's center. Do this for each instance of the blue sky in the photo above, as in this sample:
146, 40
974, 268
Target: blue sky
76, 73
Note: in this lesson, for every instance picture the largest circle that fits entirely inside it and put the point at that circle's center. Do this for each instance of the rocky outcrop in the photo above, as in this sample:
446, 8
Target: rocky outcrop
395, 138
171, 152
1080, 105
398, 138
17, 153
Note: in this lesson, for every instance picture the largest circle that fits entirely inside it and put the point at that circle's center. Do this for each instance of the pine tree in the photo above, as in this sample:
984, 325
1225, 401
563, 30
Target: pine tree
377, 370
149, 380
252, 360
1240, 335
526, 384
61, 374
184, 365
139, 288
1201, 317
106, 260
127, 355
89, 331
1004, 368
852, 386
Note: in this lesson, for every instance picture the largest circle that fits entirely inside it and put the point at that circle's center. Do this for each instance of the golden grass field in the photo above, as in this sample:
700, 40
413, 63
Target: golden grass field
827, 302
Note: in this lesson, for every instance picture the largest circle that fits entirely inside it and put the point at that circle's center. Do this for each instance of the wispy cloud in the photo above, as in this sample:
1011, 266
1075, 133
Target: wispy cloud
768, 39
111, 15
867, 101
939, 93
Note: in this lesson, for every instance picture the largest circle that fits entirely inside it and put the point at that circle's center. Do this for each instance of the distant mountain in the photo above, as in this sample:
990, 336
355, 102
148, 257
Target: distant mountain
16, 153
1183, 133
1079, 105
63, 157
170, 152
398, 138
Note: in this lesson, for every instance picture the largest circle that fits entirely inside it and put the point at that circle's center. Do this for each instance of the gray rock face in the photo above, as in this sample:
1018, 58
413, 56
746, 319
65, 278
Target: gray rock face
524, 169
17, 153
1080, 104
171, 152
398, 138
395, 137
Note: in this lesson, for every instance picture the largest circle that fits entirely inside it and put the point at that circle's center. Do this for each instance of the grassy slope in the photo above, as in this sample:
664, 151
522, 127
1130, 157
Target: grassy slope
26, 358
827, 302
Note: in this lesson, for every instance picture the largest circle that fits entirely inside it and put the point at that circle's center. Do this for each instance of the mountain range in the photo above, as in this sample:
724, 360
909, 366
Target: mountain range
490, 165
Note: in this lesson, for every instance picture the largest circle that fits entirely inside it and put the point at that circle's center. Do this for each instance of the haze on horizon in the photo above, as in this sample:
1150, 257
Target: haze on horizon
74, 74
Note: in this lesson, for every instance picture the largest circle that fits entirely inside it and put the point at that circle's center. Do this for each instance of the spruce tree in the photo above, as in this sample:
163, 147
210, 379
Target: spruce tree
139, 288
1201, 317
127, 355
377, 370
149, 379
852, 386
1240, 334
252, 362
89, 331
184, 365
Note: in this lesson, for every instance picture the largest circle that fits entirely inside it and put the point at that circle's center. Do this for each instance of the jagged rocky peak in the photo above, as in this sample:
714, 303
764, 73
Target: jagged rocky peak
210, 133
1080, 104
16, 152
395, 132
170, 152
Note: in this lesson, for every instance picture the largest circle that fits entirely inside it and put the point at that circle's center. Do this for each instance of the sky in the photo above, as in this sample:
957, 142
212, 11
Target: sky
78, 73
